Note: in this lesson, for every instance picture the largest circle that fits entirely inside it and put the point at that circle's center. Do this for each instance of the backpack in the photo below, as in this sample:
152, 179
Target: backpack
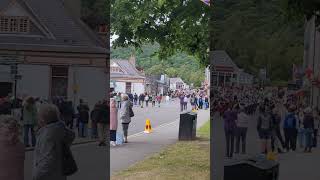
69, 165
290, 121
131, 113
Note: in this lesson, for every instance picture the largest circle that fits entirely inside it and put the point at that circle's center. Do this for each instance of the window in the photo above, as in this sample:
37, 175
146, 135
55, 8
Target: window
59, 81
14, 24
128, 87
115, 69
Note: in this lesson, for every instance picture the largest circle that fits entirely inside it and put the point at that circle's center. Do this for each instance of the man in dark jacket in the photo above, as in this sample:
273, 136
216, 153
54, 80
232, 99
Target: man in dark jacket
100, 116
308, 124
83, 118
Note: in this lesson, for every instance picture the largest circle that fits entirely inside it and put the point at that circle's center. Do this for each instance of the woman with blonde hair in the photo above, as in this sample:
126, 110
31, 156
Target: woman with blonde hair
11, 149
29, 117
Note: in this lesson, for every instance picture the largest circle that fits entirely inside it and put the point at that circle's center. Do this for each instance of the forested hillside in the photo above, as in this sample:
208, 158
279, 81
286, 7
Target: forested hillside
179, 65
258, 33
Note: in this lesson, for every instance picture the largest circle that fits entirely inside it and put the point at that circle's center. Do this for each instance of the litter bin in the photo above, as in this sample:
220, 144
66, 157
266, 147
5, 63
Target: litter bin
188, 126
252, 169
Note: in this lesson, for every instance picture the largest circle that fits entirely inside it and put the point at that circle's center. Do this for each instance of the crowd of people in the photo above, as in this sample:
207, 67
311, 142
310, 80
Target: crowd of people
283, 120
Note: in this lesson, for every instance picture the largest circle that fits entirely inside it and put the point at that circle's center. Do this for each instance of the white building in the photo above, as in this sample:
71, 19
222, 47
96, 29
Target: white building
177, 84
125, 78
52, 53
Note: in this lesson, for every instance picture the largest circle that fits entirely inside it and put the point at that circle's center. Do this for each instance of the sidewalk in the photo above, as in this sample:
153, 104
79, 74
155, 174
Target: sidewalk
142, 145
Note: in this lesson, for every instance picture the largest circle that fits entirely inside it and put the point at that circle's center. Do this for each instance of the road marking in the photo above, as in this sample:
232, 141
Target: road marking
158, 127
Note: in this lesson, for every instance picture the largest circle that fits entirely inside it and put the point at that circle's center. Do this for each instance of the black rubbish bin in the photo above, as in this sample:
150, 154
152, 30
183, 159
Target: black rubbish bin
188, 126
252, 169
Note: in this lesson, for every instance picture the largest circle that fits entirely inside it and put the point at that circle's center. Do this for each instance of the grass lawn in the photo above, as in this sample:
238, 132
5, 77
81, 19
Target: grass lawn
181, 161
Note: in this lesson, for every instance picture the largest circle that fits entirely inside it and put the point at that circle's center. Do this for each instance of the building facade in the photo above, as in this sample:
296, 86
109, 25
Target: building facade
224, 72
50, 53
125, 78
177, 84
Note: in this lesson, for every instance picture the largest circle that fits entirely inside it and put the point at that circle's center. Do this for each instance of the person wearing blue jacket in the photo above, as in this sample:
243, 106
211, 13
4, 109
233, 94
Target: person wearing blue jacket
290, 129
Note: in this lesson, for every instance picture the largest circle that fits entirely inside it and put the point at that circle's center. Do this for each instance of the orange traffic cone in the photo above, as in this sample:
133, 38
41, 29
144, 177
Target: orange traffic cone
148, 128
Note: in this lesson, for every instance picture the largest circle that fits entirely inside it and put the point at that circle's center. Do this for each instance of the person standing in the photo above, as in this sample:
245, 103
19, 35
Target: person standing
276, 133
125, 116
135, 98
200, 102
301, 132
308, 124
230, 118
12, 149
147, 99
83, 111
181, 98
316, 127
241, 130
29, 116
102, 123
185, 102
54, 140
290, 129
95, 116
118, 99
264, 128
141, 99
206, 101
113, 122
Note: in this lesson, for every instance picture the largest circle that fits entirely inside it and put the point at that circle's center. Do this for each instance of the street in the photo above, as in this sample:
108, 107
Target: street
293, 165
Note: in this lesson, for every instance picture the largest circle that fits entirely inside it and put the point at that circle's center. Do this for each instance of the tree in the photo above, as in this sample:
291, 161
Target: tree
95, 12
258, 34
180, 25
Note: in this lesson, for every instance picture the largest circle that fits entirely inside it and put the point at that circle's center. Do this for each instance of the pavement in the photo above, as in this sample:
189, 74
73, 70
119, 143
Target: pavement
93, 161
293, 165
142, 145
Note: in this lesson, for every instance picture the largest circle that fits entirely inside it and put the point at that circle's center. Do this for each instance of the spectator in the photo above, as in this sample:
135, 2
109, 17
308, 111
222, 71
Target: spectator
125, 117
53, 140
29, 116
113, 121
83, 118
11, 149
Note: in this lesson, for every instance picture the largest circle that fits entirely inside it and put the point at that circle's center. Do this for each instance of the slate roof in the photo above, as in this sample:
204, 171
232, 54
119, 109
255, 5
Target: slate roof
68, 34
129, 70
221, 58
175, 80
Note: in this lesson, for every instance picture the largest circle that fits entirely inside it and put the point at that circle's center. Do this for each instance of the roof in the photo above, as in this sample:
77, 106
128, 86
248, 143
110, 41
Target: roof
58, 29
129, 70
222, 59
175, 80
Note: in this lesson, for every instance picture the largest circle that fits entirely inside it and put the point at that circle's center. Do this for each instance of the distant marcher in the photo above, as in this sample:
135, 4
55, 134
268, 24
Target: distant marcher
301, 132
29, 116
113, 122
125, 117
83, 118
154, 99
181, 97
276, 138
54, 140
185, 103
200, 102
141, 99
12, 149
159, 100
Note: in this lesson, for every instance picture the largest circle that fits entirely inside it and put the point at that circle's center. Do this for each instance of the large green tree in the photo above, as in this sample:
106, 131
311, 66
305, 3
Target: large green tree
179, 25
258, 34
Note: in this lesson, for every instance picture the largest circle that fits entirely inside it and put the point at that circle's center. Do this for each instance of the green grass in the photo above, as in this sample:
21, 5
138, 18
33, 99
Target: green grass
185, 160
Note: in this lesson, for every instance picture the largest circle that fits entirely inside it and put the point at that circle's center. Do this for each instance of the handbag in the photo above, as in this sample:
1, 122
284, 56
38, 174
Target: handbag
69, 165
131, 113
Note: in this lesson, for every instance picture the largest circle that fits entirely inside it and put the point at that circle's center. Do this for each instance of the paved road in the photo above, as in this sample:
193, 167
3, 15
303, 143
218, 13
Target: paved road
142, 145
293, 165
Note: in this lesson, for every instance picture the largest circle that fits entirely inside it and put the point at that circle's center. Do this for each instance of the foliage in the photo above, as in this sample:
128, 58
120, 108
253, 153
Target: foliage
257, 34
301, 8
178, 65
180, 25
95, 12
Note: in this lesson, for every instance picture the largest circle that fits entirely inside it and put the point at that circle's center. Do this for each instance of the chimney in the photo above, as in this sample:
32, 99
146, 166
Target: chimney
74, 7
132, 60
